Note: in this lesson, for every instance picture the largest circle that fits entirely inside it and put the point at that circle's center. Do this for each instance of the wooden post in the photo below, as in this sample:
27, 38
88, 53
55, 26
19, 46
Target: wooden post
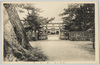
46, 30
59, 31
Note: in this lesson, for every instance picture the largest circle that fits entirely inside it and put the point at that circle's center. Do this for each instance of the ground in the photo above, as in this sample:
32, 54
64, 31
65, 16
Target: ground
65, 50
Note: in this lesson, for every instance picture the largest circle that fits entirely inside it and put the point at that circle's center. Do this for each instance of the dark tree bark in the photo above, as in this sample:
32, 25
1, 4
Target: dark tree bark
18, 45
17, 25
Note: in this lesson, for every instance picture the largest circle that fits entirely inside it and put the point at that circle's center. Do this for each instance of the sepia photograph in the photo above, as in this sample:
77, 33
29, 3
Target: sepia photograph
50, 32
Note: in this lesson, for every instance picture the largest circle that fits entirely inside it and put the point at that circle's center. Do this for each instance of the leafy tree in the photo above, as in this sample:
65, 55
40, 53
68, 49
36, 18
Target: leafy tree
69, 15
80, 17
34, 20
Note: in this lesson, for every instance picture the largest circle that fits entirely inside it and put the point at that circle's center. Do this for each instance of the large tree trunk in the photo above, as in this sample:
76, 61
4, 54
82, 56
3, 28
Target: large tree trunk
93, 39
16, 44
17, 25
35, 34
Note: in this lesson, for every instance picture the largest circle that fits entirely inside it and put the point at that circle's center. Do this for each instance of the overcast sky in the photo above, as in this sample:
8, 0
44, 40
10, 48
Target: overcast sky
50, 9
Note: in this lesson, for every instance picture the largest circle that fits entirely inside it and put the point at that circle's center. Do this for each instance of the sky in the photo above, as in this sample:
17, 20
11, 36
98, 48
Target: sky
50, 9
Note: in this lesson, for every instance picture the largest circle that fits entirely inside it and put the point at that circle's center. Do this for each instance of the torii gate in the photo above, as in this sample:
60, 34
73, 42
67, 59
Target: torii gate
54, 25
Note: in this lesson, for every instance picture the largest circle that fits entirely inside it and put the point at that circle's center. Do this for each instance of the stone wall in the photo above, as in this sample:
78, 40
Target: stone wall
80, 36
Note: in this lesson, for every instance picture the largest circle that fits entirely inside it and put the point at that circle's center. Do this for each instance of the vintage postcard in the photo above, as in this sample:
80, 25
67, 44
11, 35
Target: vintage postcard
50, 32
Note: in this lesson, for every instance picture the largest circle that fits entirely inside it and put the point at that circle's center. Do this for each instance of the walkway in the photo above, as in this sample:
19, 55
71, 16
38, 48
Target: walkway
53, 37
65, 50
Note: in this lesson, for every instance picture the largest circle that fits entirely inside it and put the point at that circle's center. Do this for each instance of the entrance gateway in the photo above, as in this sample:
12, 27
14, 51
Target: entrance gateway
53, 28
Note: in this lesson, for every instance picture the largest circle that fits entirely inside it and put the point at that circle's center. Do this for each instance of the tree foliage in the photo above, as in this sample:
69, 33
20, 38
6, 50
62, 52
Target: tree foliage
33, 18
79, 17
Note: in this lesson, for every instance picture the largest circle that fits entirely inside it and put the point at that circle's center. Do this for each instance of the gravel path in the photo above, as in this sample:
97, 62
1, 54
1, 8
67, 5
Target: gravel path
65, 50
